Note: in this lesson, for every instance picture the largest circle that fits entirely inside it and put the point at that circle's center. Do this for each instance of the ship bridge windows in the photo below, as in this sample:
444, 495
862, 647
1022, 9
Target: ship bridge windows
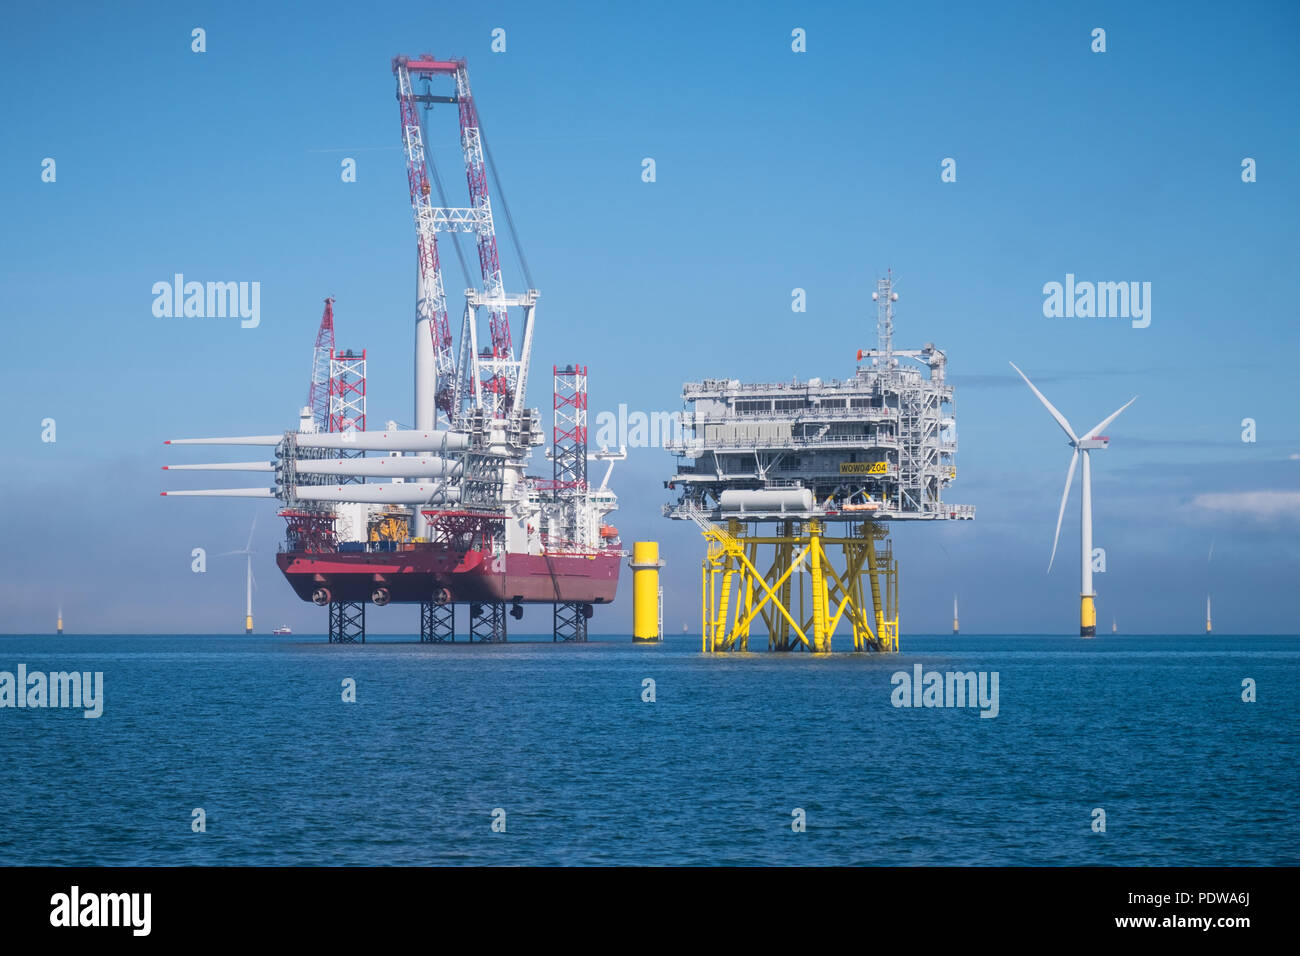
790, 404
753, 406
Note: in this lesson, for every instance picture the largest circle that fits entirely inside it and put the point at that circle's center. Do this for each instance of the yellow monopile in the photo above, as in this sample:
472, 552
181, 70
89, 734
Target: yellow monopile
645, 564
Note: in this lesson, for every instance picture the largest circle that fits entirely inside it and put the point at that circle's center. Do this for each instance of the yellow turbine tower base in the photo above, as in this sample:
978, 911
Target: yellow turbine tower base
1087, 616
248, 624
804, 593
645, 565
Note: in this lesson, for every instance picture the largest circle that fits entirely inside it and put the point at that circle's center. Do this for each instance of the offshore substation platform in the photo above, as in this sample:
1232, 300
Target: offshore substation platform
442, 514
798, 459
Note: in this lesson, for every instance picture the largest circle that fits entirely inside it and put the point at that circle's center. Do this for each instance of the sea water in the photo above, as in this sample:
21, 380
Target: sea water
244, 750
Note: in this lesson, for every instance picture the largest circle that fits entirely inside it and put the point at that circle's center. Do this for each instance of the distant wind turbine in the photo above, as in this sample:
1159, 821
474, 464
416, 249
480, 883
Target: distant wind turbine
1209, 627
248, 552
1091, 440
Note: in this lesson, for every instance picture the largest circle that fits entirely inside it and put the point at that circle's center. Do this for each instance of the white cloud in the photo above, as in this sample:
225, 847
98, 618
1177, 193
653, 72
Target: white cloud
1264, 505
1294, 456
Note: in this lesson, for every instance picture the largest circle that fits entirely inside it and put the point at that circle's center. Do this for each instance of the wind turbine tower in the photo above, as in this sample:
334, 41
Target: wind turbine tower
247, 551
1091, 440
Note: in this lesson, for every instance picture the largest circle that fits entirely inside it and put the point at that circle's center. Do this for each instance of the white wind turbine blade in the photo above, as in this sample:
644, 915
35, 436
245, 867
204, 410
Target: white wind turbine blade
1065, 496
225, 466
1060, 419
222, 493
1095, 430
253, 527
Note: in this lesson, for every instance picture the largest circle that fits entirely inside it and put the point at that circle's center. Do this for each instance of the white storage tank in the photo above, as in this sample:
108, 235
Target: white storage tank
767, 500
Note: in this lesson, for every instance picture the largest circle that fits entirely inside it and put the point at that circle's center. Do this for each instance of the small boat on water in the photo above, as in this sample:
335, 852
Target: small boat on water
283, 629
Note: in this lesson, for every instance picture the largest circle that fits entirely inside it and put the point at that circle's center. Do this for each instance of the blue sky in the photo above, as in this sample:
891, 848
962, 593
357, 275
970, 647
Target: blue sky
775, 170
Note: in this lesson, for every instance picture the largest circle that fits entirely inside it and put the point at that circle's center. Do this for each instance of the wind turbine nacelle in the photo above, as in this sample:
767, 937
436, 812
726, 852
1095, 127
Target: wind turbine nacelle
1094, 444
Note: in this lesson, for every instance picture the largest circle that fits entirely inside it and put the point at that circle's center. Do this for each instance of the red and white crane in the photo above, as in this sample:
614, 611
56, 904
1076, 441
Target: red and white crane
490, 377
434, 363
318, 395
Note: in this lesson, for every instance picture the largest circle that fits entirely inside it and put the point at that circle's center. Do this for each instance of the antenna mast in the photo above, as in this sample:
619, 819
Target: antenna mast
885, 297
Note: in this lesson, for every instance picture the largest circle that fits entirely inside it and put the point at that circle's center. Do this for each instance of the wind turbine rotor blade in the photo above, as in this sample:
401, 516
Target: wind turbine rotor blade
241, 440
406, 440
225, 466
249, 547
1060, 515
412, 440
1060, 419
387, 467
410, 493
1095, 430
222, 493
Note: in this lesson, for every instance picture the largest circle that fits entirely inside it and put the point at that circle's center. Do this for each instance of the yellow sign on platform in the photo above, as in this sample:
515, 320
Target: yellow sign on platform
864, 467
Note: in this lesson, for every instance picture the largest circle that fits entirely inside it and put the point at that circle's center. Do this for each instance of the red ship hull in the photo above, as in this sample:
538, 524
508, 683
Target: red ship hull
428, 571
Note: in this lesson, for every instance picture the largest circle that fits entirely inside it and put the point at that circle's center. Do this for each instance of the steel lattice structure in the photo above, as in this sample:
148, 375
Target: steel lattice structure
310, 531
347, 391
569, 460
569, 623
500, 372
432, 324
347, 622
465, 530
437, 623
471, 141
318, 395
487, 623
567, 491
